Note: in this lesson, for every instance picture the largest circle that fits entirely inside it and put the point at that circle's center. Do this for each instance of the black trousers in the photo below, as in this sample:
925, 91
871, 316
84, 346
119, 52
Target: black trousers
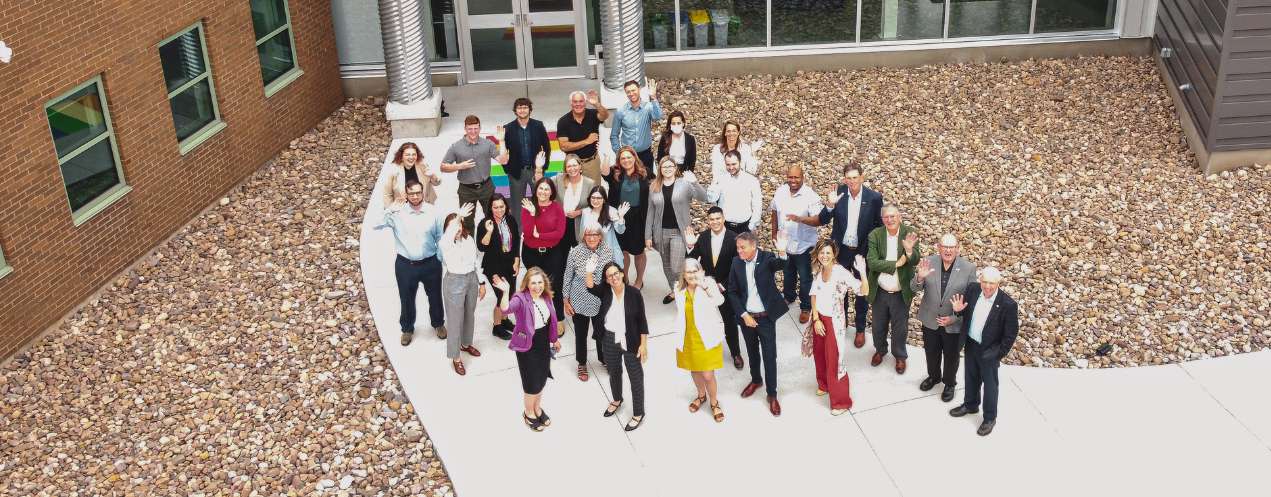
861, 304
941, 347
738, 228
409, 275
730, 328
981, 371
581, 323
891, 317
552, 262
615, 358
646, 158
761, 341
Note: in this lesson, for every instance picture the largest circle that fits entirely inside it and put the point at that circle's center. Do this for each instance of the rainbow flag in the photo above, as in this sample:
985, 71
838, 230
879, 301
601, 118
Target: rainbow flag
555, 165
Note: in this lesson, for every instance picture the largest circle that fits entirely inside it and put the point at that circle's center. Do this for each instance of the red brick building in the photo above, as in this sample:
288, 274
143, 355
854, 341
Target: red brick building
122, 119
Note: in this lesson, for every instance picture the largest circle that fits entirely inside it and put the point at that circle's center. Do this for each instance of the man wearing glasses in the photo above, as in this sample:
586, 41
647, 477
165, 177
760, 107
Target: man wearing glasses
416, 231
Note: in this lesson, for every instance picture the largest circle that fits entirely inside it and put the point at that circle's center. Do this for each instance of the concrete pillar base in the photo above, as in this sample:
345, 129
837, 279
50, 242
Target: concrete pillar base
415, 120
611, 98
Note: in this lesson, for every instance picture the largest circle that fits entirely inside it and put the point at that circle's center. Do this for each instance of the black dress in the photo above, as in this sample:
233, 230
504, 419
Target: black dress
496, 260
535, 364
632, 240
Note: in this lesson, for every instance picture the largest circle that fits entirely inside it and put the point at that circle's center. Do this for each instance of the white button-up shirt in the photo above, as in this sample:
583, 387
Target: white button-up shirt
983, 306
460, 256
739, 196
853, 218
804, 202
889, 281
753, 304
616, 319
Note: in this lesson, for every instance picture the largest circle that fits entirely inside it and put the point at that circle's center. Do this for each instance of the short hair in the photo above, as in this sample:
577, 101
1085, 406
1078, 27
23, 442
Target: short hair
732, 154
749, 237
630, 83
470, 120
948, 240
397, 157
577, 93
604, 271
853, 166
991, 275
592, 226
413, 182
522, 101
889, 207
714, 210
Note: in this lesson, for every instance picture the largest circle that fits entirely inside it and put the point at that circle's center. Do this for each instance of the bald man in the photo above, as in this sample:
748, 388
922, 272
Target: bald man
990, 320
793, 205
938, 279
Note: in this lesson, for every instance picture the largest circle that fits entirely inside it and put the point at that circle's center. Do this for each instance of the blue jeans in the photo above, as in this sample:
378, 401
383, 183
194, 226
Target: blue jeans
802, 263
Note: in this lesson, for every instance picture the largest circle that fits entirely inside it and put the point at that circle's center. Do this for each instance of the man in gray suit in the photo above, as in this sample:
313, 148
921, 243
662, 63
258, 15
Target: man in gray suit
938, 279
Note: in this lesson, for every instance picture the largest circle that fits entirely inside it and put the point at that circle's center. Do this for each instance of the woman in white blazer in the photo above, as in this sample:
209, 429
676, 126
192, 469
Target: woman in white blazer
699, 329
408, 164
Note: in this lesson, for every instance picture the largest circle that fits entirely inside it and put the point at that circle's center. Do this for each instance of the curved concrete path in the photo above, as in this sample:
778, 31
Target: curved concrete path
1201, 428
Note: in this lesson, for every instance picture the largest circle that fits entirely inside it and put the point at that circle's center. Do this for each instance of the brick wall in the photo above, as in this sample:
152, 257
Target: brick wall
57, 264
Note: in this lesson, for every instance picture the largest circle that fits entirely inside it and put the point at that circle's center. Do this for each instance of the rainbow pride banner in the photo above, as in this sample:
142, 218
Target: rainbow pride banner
555, 165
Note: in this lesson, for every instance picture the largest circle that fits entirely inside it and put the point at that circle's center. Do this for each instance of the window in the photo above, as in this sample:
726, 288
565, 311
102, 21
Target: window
87, 153
4, 268
1075, 15
274, 44
191, 93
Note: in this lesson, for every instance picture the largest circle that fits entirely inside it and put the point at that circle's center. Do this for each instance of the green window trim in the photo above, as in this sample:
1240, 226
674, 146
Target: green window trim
112, 195
214, 126
282, 80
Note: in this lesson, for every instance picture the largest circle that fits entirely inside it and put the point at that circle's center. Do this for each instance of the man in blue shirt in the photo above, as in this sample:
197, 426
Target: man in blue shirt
633, 122
990, 321
416, 231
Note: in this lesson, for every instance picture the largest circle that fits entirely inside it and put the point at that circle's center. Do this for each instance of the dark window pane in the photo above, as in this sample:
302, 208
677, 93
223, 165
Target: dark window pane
807, 21
482, 7
550, 5
268, 15
90, 174
713, 24
553, 46
182, 59
445, 29
988, 17
901, 19
275, 56
76, 120
493, 49
1075, 15
192, 109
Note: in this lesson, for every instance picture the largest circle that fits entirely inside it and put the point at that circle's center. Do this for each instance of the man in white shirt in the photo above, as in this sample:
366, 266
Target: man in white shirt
752, 291
793, 205
891, 258
990, 321
739, 195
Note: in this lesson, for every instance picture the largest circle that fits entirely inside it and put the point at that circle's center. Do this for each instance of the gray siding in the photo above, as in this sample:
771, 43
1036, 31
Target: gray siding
1242, 118
1195, 30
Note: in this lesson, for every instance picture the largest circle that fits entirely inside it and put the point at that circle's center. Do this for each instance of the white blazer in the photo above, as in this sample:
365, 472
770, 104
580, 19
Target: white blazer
710, 325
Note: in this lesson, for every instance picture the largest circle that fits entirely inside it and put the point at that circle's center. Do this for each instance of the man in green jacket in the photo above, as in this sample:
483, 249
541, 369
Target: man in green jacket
891, 259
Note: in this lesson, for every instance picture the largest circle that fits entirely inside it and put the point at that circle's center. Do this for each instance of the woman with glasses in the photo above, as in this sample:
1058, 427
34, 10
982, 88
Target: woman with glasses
580, 305
624, 337
499, 237
611, 220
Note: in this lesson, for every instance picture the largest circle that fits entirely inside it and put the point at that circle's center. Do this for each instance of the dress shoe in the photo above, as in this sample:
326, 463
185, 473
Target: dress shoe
750, 390
821, 393
877, 359
406, 338
441, 332
962, 410
927, 384
472, 351
804, 316
900, 366
947, 394
459, 368
774, 407
738, 362
502, 333
789, 300
668, 299
986, 428
860, 339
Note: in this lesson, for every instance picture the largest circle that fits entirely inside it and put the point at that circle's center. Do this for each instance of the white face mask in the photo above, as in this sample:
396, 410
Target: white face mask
677, 128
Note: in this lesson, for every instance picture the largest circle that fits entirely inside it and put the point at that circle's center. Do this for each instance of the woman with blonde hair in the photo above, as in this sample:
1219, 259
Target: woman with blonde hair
572, 188
668, 222
536, 328
629, 185
828, 333
408, 164
699, 329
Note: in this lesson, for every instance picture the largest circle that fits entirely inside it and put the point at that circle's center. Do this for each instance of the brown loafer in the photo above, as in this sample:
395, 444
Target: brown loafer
876, 360
900, 366
441, 332
459, 368
773, 406
406, 338
804, 316
860, 339
750, 390
472, 351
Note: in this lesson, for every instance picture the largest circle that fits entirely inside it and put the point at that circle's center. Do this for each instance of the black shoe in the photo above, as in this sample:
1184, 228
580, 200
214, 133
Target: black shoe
986, 428
960, 411
668, 299
612, 409
502, 333
947, 394
637, 423
927, 384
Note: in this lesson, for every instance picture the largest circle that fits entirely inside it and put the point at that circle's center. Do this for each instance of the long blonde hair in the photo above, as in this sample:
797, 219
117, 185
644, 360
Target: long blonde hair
547, 282
656, 185
690, 265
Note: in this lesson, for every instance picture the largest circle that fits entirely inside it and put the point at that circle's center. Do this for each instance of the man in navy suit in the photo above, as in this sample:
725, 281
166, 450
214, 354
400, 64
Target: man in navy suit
990, 322
855, 211
525, 139
753, 294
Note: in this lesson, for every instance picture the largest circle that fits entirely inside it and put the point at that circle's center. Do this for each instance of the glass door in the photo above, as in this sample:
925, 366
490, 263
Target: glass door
522, 39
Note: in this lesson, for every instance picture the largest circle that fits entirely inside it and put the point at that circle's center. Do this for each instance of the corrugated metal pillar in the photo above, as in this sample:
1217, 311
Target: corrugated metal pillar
622, 34
414, 108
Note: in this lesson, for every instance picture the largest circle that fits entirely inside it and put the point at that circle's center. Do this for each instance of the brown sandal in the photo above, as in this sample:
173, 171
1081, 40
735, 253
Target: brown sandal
459, 368
582, 373
717, 412
696, 404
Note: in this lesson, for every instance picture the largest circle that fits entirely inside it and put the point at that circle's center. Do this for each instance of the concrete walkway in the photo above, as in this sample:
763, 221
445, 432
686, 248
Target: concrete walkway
1201, 428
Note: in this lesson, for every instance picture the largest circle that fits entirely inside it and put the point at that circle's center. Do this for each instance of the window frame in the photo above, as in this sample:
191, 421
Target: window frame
217, 124
283, 80
109, 197
5, 269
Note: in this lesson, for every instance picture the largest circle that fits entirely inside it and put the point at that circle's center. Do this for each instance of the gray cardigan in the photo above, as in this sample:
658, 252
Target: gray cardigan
934, 303
586, 184
685, 190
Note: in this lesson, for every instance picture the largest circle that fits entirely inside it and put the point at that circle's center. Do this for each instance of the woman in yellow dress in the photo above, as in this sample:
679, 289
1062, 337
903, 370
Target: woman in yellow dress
700, 331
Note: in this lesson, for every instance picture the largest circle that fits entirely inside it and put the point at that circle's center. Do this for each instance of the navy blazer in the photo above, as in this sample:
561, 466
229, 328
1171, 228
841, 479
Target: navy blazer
512, 141
1001, 328
766, 269
871, 216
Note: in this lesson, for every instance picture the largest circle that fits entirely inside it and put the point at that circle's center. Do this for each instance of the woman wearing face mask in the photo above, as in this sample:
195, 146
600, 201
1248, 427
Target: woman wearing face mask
610, 220
699, 330
629, 184
680, 146
668, 220
536, 330
543, 227
730, 140
829, 334
572, 187
499, 237
408, 164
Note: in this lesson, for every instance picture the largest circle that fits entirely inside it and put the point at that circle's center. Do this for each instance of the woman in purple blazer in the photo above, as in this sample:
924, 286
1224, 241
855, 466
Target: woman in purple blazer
536, 327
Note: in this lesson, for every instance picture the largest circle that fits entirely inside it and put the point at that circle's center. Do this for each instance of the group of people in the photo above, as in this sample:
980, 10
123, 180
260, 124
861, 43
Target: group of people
581, 238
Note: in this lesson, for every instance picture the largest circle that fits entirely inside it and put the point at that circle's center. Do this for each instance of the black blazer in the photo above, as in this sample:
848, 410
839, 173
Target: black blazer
512, 141
1001, 328
765, 271
615, 193
871, 216
690, 151
637, 322
727, 252
496, 261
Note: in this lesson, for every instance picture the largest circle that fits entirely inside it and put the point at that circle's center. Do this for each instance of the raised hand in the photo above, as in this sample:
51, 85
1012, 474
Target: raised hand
909, 242
690, 236
499, 132
958, 302
466, 209
924, 269
653, 88
592, 262
593, 98
489, 225
540, 159
501, 283
622, 209
859, 265
832, 198
527, 205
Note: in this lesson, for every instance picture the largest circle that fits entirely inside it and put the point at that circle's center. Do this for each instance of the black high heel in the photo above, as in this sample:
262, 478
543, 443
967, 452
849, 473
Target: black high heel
612, 409
632, 427
534, 423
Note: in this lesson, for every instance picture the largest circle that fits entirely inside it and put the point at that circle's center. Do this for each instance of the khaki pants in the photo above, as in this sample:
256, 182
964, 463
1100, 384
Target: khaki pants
591, 169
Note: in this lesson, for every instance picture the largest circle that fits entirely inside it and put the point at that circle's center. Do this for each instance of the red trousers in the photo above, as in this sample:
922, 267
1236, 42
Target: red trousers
825, 352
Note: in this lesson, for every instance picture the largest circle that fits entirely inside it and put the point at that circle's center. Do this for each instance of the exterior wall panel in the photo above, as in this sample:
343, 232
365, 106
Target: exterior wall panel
1243, 115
